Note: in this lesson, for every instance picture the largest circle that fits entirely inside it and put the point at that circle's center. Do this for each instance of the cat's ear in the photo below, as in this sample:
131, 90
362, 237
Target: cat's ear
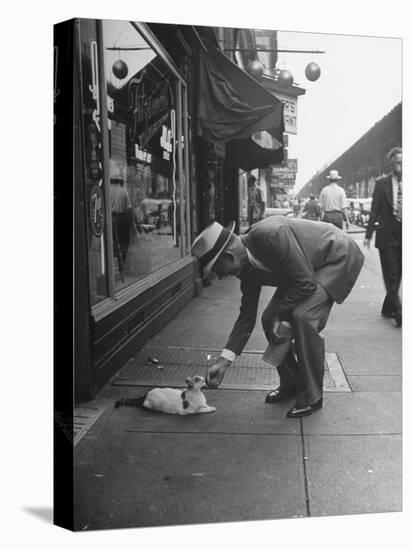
199, 380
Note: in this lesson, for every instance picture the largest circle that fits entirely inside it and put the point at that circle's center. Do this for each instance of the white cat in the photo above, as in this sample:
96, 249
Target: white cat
169, 400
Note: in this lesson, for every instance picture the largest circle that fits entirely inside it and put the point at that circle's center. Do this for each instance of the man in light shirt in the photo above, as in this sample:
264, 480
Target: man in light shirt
313, 265
333, 201
386, 211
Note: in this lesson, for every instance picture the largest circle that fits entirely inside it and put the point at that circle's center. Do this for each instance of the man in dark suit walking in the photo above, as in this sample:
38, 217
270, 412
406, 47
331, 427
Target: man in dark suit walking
386, 210
313, 265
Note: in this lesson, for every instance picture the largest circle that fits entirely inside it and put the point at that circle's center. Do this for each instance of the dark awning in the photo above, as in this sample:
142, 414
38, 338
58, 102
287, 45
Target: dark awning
233, 106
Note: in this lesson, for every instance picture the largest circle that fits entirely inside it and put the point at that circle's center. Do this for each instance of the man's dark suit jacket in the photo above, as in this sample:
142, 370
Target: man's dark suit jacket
382, 212
299, 254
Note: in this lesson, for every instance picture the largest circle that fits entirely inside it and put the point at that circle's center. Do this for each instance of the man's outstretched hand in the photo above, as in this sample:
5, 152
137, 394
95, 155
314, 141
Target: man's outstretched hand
216, 373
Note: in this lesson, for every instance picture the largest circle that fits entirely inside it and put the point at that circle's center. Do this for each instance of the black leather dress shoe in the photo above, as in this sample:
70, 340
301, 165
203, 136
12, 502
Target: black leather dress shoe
398, 318
280, 394
299, 411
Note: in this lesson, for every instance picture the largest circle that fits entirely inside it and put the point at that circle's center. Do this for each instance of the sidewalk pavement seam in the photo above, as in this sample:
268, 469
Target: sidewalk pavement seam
243, 434
177, 432
305, 473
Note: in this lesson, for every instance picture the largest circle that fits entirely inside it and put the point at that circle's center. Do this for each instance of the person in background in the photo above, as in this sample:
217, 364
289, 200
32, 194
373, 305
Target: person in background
311, 210
333, 201
122, 219
313, 265
254, 201
295, 207
262, 192
386, 209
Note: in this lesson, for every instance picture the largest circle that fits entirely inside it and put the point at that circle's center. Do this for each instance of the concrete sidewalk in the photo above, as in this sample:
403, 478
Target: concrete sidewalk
247, 461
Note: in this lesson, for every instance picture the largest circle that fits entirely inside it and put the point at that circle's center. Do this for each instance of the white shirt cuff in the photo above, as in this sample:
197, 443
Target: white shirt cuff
228, 354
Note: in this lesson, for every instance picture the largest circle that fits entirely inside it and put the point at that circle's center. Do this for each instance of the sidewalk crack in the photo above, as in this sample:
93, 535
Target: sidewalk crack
305, 472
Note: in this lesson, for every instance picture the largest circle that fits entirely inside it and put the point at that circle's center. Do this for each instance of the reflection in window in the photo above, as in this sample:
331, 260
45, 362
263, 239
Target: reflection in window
143, 158
94, 187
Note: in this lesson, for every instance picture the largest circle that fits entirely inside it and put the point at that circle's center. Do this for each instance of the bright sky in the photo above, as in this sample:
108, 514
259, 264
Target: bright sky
360, 83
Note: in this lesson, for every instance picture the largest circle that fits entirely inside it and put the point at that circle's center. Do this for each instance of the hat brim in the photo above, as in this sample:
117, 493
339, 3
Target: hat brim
334, 178
208, 267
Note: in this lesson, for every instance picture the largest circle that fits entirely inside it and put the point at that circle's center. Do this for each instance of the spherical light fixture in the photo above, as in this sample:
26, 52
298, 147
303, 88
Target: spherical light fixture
120, 69
255, 69
285, 78
312, 72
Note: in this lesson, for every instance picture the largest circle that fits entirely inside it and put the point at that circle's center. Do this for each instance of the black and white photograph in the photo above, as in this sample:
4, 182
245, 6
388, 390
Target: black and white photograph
227, 340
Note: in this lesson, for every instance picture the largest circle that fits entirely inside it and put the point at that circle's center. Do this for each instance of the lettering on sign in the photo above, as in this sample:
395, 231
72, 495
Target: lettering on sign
145, 105
290, 112
166, 139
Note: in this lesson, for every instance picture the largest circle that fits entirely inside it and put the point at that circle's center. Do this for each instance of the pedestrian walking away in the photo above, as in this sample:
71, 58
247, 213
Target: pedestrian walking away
311, 210
386, 211
333, 201
313, 265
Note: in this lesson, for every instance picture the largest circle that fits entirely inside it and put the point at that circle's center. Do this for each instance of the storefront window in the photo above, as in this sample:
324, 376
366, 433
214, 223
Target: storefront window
93, 162
145, 179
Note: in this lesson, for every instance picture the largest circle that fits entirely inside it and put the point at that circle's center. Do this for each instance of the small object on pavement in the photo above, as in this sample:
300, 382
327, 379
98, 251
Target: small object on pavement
152, 361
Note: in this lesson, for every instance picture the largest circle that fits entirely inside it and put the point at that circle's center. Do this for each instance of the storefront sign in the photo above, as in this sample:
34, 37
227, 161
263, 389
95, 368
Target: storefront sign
292, 165
282, 172
147, 109
96, 210
290, 112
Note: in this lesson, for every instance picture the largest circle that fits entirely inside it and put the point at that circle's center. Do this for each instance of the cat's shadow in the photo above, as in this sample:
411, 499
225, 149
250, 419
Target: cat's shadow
43, 513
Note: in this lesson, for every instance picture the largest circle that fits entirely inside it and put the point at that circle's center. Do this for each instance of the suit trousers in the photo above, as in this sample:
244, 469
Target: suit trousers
391, 262
306, 373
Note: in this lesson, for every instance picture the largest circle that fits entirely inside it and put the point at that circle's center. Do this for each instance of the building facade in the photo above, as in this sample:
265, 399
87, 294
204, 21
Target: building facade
140, 171
364, 161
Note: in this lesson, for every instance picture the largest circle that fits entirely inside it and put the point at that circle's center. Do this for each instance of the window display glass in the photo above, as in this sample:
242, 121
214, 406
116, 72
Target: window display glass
143, 109
93, 162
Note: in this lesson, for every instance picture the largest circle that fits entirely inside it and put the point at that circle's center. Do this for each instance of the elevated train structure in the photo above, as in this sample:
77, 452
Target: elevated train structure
364, 161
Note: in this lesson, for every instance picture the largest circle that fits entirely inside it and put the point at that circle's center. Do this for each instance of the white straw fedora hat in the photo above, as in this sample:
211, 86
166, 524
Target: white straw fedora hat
333, 175
210, 244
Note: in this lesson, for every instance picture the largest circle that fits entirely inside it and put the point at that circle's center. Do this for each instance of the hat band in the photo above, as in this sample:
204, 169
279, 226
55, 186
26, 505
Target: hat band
220, 241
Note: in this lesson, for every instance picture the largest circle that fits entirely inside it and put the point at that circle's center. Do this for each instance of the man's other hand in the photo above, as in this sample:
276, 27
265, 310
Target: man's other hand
271, 328
216, 373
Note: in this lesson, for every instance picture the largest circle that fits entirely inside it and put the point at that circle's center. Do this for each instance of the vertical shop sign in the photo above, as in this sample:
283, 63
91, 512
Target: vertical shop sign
95, 195
290, 112
96, 199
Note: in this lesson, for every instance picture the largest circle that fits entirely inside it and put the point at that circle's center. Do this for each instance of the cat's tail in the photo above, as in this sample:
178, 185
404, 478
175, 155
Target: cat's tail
131, 402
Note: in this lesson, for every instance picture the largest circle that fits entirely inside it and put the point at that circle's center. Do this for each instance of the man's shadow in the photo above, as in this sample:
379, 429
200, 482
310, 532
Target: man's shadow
43, 513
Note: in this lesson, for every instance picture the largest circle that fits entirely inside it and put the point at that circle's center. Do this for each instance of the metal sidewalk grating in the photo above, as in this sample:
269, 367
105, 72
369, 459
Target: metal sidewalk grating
249, 372
83, 420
